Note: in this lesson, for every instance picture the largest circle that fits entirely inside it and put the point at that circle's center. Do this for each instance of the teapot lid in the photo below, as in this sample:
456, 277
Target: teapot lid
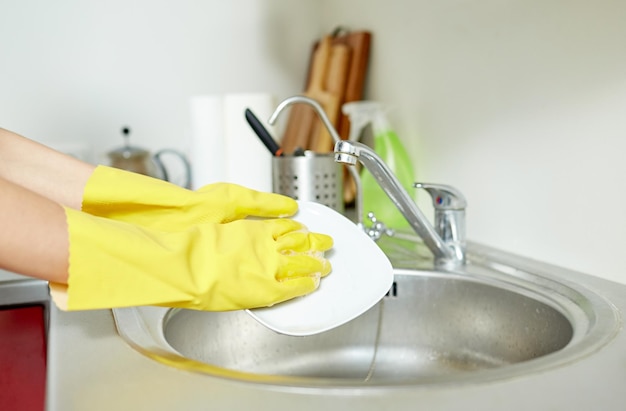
127, 151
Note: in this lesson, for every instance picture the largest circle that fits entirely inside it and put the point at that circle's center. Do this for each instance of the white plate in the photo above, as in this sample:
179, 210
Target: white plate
361, 275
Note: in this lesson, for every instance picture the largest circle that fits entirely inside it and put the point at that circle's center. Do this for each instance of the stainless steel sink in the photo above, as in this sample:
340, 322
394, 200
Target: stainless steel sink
491, 320
430, 324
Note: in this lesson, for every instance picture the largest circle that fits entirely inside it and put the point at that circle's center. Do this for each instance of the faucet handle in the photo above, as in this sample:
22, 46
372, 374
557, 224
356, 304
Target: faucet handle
449, 221
444, 197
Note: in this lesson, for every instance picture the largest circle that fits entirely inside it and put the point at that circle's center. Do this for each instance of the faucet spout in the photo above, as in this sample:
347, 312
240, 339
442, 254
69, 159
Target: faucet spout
350, 152
336, 138
316, 107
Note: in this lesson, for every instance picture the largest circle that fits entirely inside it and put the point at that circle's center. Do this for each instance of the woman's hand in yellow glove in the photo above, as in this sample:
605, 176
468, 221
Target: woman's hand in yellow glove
147, 201
217, 267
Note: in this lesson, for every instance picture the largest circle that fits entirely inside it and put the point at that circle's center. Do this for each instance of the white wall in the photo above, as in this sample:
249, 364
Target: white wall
520, 104
517, 103
79, 70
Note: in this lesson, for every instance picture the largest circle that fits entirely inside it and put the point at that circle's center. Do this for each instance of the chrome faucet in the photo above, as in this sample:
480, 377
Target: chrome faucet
358, 202
447, 239
449, 251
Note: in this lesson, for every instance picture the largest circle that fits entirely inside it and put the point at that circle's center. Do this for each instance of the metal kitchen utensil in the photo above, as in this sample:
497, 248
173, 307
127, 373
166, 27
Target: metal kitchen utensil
311, 177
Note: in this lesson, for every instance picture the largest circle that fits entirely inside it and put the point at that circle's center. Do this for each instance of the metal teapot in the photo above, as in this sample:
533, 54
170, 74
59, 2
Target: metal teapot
139, 160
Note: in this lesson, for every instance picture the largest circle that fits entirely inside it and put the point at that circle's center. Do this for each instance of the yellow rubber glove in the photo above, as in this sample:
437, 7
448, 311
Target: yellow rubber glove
217, 267
138, 199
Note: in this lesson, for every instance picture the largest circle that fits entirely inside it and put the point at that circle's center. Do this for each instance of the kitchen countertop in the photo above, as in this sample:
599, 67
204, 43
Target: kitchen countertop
8, 276
91, 368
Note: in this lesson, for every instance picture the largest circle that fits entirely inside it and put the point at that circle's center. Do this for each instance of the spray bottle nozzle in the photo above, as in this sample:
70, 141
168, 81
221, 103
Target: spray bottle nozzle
361, 114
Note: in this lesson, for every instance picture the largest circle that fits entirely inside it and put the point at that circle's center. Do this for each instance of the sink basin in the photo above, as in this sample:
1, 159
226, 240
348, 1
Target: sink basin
490, 320
429, 324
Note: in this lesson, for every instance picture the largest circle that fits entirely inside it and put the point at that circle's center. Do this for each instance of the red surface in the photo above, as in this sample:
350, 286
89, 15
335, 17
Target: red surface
22, 359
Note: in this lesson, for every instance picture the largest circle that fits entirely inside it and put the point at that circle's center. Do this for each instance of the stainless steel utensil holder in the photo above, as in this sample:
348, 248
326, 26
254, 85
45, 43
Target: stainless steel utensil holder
310, 177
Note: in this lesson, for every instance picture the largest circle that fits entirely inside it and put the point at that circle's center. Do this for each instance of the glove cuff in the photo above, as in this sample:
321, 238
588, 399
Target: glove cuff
116, 264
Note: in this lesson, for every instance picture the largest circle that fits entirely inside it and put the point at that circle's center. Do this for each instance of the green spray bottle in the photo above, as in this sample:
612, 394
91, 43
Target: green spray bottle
389, 148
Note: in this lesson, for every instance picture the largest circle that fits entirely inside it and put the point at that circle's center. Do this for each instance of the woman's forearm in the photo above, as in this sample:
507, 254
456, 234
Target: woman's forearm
56, 176
34, 238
